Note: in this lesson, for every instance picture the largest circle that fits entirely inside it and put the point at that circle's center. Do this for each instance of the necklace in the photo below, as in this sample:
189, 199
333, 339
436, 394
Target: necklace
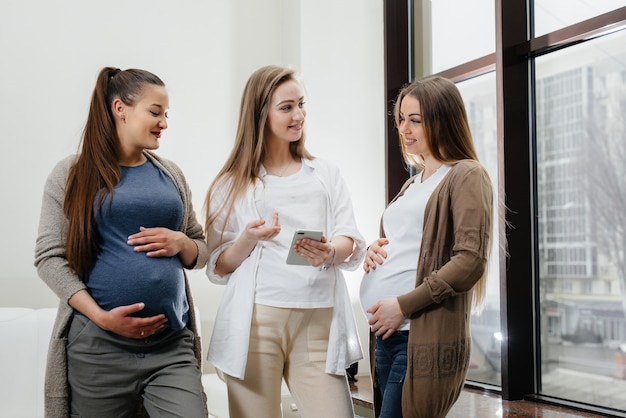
284, 170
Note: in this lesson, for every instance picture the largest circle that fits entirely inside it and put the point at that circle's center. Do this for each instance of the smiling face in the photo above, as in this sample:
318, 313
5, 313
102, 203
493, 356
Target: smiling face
141, 125
286, 113
411, 128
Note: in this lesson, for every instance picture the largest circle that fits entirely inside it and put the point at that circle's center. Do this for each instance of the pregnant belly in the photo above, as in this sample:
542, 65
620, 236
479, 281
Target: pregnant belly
157, 282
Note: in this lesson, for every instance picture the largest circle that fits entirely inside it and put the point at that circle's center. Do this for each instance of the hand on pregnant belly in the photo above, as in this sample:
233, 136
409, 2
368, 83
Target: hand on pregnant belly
120, 321
157, 242
375, 254
386, 317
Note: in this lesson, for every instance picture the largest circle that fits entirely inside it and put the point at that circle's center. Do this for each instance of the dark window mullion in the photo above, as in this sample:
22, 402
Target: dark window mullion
397, 15
516, 189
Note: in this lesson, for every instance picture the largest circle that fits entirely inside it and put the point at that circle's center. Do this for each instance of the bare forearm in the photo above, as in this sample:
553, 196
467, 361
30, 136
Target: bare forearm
234, 255
343, 248
85, 304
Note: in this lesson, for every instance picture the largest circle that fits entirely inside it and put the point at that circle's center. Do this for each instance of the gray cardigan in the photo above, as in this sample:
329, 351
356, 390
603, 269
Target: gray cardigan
53, 269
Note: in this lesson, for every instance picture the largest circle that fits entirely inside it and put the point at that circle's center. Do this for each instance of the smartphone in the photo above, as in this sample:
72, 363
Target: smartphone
293, 257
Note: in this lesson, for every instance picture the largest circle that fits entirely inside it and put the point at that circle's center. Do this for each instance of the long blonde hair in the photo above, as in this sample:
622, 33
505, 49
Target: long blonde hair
242, 169
449, 138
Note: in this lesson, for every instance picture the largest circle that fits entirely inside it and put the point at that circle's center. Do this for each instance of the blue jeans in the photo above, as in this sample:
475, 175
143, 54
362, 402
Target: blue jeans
391, 364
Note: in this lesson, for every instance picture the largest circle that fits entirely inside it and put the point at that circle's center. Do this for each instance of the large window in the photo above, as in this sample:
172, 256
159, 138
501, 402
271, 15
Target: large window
546, 98
551, 15
438, 48
479, 95
581, 197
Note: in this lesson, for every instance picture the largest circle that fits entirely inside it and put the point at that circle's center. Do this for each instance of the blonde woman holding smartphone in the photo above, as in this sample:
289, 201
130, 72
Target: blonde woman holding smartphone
278, 320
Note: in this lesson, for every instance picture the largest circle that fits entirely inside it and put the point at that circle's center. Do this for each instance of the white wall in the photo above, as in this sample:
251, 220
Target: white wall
204, 50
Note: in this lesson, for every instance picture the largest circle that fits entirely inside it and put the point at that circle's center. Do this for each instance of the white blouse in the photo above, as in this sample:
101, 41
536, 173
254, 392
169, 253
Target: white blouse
301, 203
402, 222
228, 349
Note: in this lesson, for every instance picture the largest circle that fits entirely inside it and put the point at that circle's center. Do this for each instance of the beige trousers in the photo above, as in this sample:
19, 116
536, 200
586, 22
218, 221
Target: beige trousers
289, 344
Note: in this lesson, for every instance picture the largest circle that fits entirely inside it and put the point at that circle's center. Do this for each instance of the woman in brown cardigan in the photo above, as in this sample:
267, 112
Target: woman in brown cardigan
453, 247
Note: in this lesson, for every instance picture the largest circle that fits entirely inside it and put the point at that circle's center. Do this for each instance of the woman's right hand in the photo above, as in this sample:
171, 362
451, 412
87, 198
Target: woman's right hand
256, 231
119, 321
375, 254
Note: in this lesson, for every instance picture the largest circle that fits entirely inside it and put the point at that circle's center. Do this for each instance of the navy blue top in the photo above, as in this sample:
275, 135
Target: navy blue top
145, 196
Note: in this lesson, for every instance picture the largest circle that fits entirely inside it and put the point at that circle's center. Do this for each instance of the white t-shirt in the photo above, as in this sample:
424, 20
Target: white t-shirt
403, 222
301, 203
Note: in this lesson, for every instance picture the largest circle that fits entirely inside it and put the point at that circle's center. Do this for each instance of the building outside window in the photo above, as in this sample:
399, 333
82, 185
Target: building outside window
581, 144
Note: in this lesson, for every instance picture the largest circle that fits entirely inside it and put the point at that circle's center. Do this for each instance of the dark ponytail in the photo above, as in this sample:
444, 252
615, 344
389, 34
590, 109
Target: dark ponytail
97, 167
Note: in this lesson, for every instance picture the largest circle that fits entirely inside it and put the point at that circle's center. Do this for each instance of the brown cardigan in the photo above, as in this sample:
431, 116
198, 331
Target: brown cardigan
453, 257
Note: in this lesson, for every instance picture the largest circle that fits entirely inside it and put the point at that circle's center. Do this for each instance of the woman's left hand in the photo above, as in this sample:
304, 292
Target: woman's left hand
158, 242
316, 253
386, 317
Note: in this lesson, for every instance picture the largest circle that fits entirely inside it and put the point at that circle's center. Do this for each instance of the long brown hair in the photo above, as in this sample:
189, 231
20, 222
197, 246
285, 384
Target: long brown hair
242, 169
97, 166
447, 128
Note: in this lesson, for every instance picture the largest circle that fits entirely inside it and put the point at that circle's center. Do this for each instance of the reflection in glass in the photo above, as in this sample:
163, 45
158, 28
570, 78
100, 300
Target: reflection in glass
581, 204
479, 95
551, 15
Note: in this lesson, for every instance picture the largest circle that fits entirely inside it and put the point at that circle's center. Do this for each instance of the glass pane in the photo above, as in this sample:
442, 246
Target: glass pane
451, 32
581, 204
551, 15
479, 95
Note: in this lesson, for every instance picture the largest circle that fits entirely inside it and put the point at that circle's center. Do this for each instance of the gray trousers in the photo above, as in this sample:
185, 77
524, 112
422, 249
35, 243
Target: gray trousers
110, 375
